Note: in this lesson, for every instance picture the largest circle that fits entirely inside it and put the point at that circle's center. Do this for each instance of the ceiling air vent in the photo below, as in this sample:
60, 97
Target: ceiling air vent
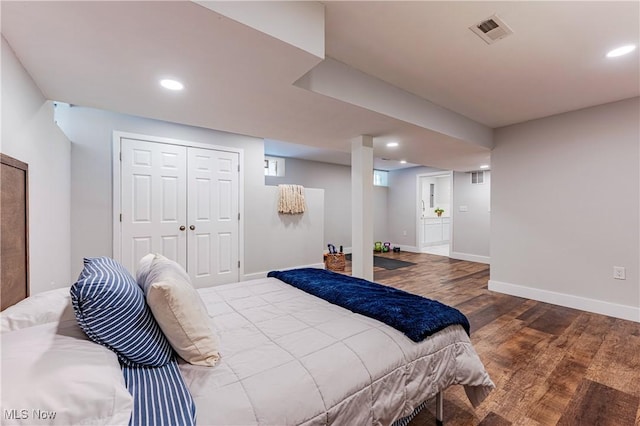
491, 29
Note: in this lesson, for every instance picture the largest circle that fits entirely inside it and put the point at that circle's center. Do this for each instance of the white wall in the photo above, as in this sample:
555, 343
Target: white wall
472, 228
565, 209
336, 181
442, 194
29, 134
91, 132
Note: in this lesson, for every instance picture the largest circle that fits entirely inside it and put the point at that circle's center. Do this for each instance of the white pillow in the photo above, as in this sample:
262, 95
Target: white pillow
54, 370
178, 309
41, 308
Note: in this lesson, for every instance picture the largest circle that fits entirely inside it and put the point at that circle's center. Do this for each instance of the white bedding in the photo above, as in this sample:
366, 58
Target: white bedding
52, 374
291, 358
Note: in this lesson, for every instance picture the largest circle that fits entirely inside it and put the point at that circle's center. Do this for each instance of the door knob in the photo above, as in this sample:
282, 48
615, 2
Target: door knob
182, 228
192, 227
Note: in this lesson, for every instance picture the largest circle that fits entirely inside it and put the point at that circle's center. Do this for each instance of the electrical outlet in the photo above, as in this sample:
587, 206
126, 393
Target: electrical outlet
619, 273
404, 233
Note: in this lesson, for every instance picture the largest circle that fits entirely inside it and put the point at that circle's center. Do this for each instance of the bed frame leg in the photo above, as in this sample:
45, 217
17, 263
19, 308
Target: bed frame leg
439, 403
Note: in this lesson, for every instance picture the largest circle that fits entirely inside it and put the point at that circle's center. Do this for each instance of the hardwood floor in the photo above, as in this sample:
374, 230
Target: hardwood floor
551, 365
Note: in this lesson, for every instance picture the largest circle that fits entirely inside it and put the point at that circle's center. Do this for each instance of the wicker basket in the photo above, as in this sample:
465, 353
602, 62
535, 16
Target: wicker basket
334, 262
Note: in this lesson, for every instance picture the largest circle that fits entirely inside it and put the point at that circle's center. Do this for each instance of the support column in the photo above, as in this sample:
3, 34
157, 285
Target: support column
362, 207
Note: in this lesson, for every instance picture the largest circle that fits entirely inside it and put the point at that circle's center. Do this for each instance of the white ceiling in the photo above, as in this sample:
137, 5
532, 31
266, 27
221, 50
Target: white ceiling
554, 62
110, 55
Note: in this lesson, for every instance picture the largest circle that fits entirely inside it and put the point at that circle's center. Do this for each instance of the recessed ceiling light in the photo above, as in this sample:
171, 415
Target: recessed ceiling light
622, 50
392, 144
171, 84
403, 161
484, 166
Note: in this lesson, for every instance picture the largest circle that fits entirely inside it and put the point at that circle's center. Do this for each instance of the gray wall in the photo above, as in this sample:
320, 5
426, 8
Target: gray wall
29, 134
565, 208
281, 240
402, 210
91, 133
472, 228
336, 181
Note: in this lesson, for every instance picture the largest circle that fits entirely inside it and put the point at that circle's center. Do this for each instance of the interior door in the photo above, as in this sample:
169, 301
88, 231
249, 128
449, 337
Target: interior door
154, 199
213, 206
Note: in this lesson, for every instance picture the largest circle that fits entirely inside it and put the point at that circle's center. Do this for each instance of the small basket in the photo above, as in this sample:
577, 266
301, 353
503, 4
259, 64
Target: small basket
334, 262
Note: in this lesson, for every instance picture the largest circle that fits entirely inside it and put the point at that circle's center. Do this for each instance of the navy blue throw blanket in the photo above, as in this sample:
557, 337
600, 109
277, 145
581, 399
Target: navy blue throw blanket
414, 315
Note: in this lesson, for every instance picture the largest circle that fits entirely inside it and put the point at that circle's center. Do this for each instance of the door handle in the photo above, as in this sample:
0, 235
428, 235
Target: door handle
192, 227
182, 228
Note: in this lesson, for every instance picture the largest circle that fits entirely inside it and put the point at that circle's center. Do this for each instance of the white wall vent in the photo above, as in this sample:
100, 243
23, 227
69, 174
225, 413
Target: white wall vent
491, 29
477, 177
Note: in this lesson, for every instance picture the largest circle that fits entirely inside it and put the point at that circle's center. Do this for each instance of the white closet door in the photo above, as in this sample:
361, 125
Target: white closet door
153, 197
213, 223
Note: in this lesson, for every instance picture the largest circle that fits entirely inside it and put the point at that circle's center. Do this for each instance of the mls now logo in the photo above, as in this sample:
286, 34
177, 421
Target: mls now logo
29, 414
16, 414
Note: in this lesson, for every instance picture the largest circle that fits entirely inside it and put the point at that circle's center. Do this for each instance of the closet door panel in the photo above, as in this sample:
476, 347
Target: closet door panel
225, 248
153, 197
213, 216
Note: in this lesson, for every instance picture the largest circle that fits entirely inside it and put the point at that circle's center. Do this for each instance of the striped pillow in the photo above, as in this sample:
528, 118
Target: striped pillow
111, 309
160, 396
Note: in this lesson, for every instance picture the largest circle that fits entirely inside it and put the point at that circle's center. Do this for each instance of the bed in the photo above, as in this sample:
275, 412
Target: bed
282, 356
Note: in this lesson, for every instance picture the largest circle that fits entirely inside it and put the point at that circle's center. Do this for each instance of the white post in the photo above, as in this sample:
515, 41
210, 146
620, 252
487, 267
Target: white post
362, 207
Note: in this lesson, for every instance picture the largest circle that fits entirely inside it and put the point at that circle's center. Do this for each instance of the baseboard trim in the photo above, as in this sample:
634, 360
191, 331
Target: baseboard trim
615, 310
256, 275
470, 257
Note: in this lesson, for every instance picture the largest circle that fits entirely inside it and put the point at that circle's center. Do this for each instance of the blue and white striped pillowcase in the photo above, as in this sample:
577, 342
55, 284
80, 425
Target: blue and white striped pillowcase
160, 396
111, 309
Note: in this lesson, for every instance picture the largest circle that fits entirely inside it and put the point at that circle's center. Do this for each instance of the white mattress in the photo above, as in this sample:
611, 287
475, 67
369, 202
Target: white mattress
291, 358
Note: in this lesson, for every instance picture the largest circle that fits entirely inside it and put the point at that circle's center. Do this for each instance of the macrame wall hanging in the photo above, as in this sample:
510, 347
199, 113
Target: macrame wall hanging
291, 199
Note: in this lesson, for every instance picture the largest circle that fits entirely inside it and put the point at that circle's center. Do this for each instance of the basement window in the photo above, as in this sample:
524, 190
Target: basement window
274, 166
477, 177
380, 178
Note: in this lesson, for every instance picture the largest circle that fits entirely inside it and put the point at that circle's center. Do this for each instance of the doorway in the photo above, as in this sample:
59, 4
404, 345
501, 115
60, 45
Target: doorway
434, 203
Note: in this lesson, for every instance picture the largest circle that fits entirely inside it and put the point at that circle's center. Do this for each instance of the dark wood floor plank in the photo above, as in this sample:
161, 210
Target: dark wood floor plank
493, 419
550, 364
555, 320
473, 275
560, 387
582, 340
597, 404
534, 312
499, 306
